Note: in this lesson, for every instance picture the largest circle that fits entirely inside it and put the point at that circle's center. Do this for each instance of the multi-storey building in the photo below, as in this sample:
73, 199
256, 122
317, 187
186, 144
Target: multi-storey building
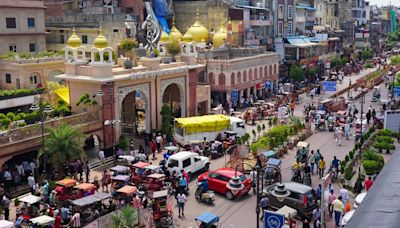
327, 14
22, 26
359, 12
305, 16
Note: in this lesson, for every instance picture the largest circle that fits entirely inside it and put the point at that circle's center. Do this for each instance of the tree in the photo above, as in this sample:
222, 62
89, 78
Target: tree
127, 217
127, 45
86, 101
173, 48
367, 54
296, 72
123, 142
64, 143
166, 113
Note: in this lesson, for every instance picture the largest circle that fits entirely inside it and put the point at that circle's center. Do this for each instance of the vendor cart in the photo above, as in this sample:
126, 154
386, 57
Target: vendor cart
65, 190
207, 220
30, 207
162, 210
138, 171
43, 221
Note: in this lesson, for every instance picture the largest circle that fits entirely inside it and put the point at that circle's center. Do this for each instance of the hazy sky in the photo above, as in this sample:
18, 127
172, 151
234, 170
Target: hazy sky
384, 2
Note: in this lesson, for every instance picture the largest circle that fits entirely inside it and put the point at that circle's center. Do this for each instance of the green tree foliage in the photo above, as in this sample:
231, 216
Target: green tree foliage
128, 44
372, 162
63, 143
296, 72
395, 60
367, 54
123, 142
86, 101
166, 113
127, 217
173, 48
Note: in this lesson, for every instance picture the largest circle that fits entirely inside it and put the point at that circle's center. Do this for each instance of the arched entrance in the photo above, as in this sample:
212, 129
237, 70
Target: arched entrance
134, 114
172, 97
92, 147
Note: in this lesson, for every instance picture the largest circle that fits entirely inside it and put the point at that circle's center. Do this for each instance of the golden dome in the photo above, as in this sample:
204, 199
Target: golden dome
100, 41
164, 37
220, 37
74, 40
198, 30
175, 34
187, 37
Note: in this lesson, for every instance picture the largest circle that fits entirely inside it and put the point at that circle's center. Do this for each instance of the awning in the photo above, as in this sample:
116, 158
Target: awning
334, 38
207, 123
305, 7
253, 7
63, 93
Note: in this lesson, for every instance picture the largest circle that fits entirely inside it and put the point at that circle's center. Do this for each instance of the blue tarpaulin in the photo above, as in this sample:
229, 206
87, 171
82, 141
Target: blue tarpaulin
208, 218
274, 162
163, 23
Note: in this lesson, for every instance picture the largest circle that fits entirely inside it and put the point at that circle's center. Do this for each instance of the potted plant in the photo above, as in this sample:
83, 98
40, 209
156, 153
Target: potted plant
155, 53
173, 49
127, 46
348, 174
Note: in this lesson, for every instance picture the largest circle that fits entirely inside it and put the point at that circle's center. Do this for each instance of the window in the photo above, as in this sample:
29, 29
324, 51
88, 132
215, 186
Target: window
31, 22
223, 178
280, 27
201, 77
280, 11
62, 39
196, 159
172, 163
290, 28
8, 78
10, 22
290, 12
213, 175
33, 79
186, 163
115, 30
32, 47
84, 39
12, 48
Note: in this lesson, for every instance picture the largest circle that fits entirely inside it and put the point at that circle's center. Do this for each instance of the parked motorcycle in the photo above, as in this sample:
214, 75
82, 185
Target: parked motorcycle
206, 197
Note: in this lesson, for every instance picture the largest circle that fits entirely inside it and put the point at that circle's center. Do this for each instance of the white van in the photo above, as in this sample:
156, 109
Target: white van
189, 161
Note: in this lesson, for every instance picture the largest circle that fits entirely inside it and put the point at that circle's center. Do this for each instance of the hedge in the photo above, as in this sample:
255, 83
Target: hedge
8, 94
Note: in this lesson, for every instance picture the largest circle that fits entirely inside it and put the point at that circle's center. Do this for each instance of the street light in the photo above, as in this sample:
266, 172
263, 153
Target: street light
37, 106
280, 191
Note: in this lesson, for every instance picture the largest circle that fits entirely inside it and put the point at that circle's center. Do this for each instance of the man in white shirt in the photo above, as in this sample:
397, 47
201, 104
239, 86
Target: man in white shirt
181, 198
31, 182
20, 170
344, 193
159, 140
33, 167
102, 156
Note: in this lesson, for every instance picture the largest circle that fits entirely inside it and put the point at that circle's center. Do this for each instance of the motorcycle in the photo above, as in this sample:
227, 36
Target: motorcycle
307, 180
207, 197
296, 176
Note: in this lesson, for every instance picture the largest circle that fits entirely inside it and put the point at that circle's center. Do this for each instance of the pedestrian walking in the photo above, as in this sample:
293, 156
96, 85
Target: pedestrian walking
264, 204
344, 193
338, 209
75, 220
182, 183
153, 147
331, 198
340, 136
31, 182
102, 157
186, 176
8, 180
5, 202
87, 171
181, 199
368, 116
105, 180
358, 187
368, 183
159, 140
316, 215
312, 161
80, 170
321, 167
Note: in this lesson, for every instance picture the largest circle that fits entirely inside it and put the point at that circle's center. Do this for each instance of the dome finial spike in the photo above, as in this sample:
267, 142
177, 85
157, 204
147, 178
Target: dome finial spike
73, 29
173, 21
197, 14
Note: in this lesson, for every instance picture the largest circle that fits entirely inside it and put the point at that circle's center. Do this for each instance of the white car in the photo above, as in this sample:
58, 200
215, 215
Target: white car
358, 200
189, 161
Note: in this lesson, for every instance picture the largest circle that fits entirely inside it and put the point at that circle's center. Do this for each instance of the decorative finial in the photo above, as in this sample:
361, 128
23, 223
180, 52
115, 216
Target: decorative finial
73, 29
100, 29
173, 21
197, 13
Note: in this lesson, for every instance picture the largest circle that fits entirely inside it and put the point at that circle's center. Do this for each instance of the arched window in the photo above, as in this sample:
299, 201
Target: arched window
255, 74
239, 77
211, 79
250, 75
265, 71
244, 76
270, 69
275, 70
233, 79
221, 79
260, 74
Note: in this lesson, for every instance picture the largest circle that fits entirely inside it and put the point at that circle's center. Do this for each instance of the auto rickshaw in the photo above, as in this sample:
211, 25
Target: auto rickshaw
271, 174
84, 204
162, 211
376, 95
302, 151
138, 171
30, 207
65, 189
320, 119
341, 118
42, 221
119, 181
126, 193
207, 220
85, 189
154, 182
120, 170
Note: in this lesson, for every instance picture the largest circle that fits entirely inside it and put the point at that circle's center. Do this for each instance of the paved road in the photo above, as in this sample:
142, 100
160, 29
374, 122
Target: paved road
241, 213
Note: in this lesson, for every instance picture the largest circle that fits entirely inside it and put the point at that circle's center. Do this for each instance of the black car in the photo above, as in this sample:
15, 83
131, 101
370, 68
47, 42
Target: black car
301, 198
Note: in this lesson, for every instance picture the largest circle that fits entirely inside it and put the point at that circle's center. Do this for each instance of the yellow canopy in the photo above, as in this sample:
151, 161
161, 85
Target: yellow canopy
207, 123
63, 93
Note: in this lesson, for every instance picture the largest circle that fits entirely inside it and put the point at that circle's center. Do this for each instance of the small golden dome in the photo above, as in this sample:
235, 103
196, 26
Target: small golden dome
74, 40
220, 37
175, 34
187, 37
164, 37
100, 41
198, 30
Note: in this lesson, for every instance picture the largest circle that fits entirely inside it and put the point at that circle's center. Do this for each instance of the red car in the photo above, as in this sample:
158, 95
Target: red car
218, 179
